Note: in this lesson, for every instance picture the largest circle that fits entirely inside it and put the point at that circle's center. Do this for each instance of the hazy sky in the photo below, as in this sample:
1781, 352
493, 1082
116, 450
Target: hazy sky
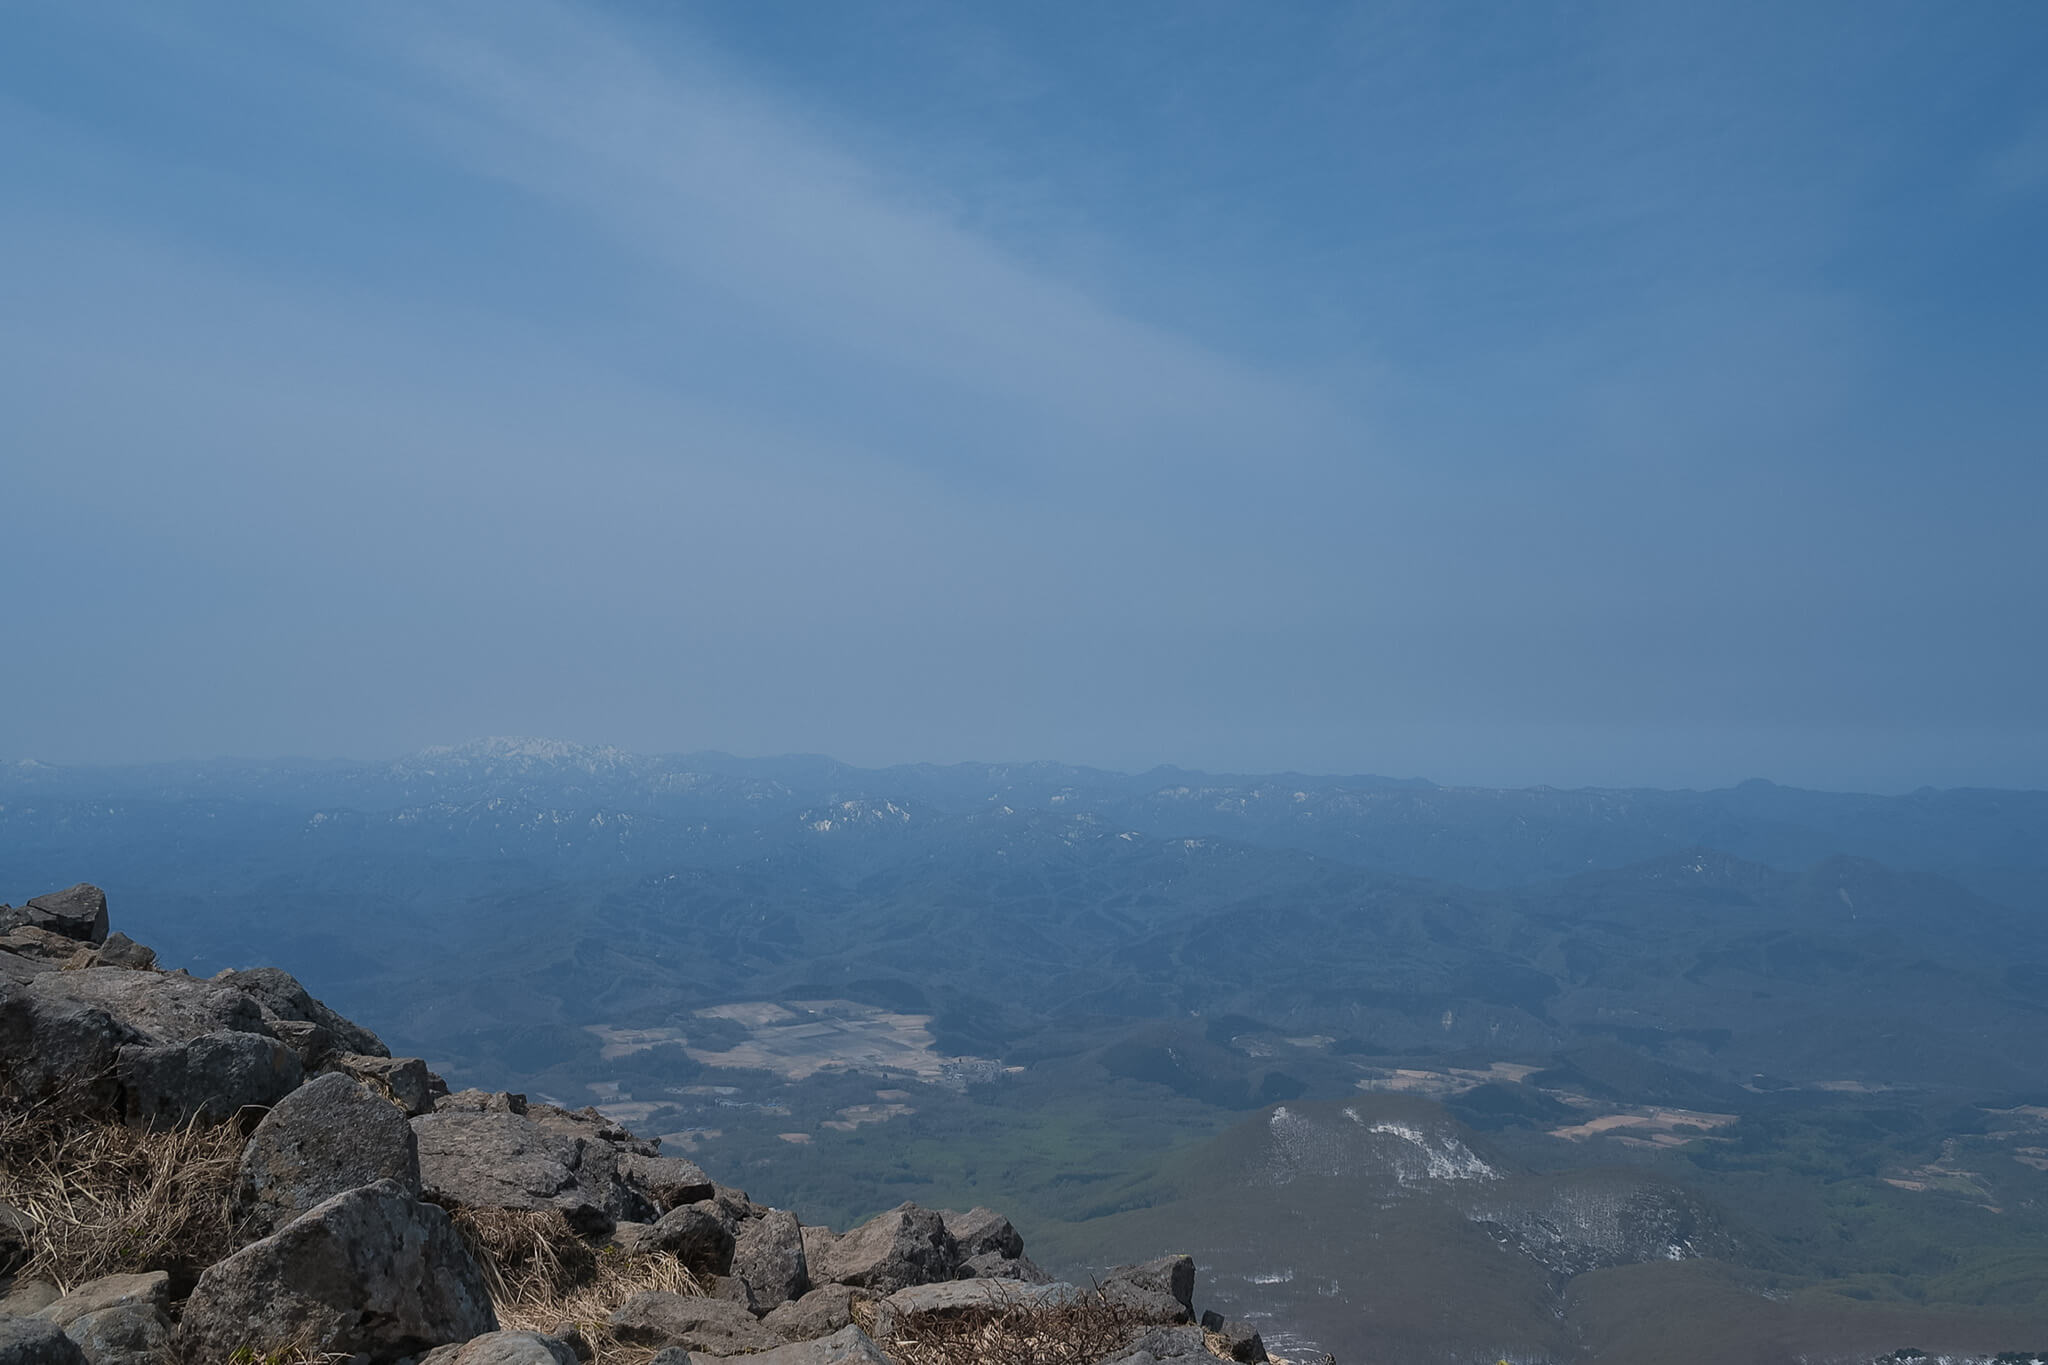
1582, 393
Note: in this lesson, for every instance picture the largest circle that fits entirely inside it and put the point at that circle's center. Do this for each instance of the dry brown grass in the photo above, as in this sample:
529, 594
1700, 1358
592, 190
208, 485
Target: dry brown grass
1073, 1331
107, 1199
541, 1274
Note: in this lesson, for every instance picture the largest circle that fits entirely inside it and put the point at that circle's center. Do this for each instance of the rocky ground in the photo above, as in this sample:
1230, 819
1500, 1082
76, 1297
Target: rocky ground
225, 1170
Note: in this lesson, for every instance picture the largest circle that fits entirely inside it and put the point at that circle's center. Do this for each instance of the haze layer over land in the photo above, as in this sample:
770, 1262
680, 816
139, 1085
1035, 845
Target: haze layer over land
1418, 1072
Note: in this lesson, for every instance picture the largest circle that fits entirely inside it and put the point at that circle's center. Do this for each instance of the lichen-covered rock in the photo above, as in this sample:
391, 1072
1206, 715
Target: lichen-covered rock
504, 1348
79, 913
990, 1266
769, 1256
209, 1078
823, 1311
373, 1271
25, 1298
1161, 1290
151, 1289
31, 1341
279, 995
718, 1326
905, 1246
328, 1136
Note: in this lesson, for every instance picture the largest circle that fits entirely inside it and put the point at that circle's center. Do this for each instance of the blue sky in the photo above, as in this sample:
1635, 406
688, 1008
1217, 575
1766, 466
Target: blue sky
1588, 393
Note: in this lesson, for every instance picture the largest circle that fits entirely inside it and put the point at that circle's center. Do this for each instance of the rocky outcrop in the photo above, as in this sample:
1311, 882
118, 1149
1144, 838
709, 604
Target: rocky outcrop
373, 1271
354, 1161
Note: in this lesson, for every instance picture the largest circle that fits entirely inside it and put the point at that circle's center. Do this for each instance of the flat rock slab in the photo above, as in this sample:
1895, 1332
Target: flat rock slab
848, 1346
959, 1296
79, 913
718, 1326
504, 1348
820, 1313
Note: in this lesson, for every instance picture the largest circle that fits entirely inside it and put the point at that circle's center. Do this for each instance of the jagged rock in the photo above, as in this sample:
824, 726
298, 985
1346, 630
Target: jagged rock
151, 1290
980, 1232
504, 1348
696, 1324
666, 1182
671, 1355
506, 1160
769, 1255
31, 1341
990, 1266
312, 1044
847, 1346
696, 1234
130, 1334
329, 1135
733, 1289
373, 1271
46, 948
24, 1298
1240, 1340
124, 952
210, 1078
79, 913
905, 1246
404, 1080
826, 1309
279, 995
1161, 1290
735, 1207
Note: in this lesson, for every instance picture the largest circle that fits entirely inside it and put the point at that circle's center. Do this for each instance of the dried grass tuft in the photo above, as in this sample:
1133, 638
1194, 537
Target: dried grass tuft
1080, 1330
541, 1274
105, 1199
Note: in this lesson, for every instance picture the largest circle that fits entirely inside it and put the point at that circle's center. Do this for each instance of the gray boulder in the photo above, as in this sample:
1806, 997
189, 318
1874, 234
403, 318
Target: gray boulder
46, 949
671, 1355
373, 1271
130, 1334
505, 1160
31, 1341
1161, 1290
504, 1348
328, 1136
279, 995
56, 1049
211, 1078
823, 1311
718, 1326
905, 1246
980, 1232
122, 951
79, 913
163, 1007
666, 1182
151, 1290
480, 1102
847, 1346
769, 1255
